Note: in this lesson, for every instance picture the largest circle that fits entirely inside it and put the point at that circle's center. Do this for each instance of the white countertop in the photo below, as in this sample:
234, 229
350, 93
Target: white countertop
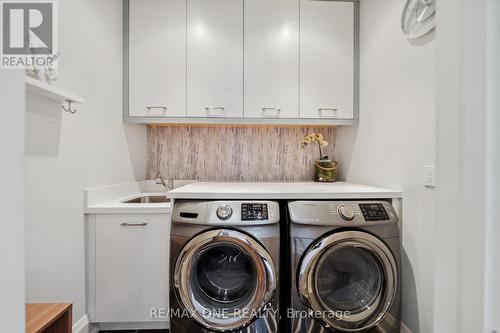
281, 190
109, 199
118, 207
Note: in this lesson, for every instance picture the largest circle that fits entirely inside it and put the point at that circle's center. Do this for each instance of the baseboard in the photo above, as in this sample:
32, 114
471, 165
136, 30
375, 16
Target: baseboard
81, 326
133, 326
404, 329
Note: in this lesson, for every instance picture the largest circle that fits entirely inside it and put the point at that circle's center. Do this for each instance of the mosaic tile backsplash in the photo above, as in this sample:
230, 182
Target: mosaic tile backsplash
212, 153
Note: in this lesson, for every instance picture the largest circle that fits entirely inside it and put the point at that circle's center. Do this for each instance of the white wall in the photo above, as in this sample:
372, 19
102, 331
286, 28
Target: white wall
449, 103
468, 151
11, 198
493, 165
395, 139
66, 153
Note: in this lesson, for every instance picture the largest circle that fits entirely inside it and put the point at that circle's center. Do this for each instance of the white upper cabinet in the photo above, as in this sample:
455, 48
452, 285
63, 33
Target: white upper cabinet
215, 58
326, 59
271, 67
243, 61
157, 58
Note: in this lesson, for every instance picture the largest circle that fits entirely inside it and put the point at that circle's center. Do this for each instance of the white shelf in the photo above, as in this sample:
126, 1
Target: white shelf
51, 92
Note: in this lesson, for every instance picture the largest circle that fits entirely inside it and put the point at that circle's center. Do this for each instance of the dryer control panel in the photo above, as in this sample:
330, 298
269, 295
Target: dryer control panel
343, 213
373, 211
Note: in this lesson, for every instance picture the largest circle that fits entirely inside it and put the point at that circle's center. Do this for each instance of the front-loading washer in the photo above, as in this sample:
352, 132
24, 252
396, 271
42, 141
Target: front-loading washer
345, 260
226, 266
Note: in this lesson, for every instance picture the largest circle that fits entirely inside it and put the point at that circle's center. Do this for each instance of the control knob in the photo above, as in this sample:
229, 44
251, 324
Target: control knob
224, 212
346, 212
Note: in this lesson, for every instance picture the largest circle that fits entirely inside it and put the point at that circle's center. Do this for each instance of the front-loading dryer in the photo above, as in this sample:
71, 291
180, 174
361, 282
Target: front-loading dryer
345, 258
226, 266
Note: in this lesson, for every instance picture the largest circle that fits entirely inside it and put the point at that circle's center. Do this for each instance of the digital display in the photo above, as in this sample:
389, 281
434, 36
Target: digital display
374, 212
253, 212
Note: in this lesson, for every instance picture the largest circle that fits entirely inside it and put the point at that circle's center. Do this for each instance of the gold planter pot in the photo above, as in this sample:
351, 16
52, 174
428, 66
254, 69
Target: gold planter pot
325, 171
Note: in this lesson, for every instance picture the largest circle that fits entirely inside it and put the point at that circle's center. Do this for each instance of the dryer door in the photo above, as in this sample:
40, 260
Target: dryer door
349, 279
224, 278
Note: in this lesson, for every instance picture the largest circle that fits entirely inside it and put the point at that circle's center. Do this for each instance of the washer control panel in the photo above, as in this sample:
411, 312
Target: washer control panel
254, 211
226, 212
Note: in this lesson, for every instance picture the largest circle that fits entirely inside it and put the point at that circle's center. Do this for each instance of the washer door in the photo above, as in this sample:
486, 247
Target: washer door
224, 278
349, 280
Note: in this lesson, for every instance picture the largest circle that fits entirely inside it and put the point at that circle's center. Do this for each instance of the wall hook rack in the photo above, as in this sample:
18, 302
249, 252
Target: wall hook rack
68, 108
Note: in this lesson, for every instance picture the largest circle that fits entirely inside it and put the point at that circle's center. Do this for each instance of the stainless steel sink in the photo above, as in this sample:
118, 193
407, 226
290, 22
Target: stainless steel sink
148, 199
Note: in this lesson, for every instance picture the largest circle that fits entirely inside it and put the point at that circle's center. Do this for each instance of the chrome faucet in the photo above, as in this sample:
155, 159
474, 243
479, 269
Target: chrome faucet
166, 183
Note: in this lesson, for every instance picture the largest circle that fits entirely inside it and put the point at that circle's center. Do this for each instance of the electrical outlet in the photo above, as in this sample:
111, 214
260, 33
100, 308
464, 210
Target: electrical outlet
430, 176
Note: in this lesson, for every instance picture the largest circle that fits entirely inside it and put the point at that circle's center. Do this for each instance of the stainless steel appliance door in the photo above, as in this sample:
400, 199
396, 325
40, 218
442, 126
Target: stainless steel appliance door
224, 279
349, 280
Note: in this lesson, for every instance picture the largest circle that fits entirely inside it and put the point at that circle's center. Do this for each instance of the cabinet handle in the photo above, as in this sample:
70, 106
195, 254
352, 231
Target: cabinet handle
149, 108
276, 112
127, 224
321, 110
214, 108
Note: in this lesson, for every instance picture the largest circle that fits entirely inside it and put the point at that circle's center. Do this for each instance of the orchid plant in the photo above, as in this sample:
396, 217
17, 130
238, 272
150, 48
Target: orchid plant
319, 140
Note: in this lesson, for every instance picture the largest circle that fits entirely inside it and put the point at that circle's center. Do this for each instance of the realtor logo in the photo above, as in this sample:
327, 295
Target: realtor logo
28, 33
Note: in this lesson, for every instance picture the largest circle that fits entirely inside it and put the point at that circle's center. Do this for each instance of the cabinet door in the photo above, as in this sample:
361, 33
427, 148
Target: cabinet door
326, 59
215, 58
131, 275
157, 58
272, 58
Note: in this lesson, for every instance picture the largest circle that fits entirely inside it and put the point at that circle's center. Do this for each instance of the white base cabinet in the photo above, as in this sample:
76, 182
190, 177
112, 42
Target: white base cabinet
127, 267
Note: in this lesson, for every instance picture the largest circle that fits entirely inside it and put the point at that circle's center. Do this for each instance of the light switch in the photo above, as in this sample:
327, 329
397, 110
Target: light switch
430, 176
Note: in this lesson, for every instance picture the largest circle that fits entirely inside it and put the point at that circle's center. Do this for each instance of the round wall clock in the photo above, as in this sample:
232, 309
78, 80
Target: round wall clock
419, 17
